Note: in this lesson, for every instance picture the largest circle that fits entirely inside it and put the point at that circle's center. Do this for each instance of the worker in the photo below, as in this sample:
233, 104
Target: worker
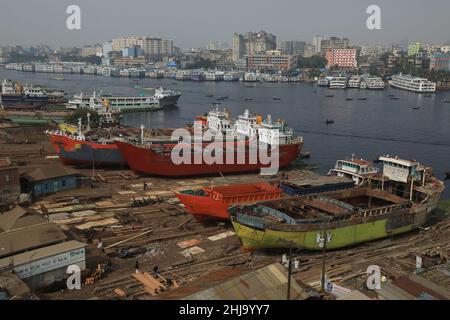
145, 186
136, 265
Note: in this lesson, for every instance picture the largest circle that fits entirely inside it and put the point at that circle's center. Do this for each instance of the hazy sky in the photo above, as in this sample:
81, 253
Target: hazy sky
192, 23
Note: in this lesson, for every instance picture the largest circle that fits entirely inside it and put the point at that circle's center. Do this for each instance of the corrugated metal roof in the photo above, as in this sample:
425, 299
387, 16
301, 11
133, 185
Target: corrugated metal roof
41, 253
32, 237
268, 283
48, 172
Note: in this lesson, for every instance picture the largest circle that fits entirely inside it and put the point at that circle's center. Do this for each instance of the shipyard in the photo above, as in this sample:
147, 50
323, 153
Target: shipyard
151, 164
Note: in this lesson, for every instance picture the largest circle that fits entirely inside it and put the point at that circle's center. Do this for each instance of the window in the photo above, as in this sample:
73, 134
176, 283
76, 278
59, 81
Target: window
63, 183
7, 178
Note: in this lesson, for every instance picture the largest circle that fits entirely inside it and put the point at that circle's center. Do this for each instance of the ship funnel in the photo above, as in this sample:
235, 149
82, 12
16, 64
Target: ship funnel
259, 119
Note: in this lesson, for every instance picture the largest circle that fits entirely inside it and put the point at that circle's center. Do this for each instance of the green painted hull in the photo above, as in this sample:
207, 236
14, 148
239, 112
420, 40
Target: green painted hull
337, 238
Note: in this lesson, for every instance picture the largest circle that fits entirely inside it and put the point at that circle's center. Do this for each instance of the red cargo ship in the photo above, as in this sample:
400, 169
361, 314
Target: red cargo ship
213, 202
77, 150
151, 159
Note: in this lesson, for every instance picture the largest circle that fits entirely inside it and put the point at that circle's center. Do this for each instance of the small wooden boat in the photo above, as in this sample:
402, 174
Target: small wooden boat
248, 99
416, 108
329, 95
362, 99
349, 99
329, 122
276, 98
209, 95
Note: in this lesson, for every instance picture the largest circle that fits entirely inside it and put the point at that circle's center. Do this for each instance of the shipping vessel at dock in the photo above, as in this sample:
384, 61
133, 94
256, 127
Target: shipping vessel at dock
80, 149
397, 200
14, 96
234, 155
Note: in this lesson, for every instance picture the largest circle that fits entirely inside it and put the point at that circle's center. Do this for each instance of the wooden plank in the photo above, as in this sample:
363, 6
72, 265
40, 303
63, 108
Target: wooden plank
128, 239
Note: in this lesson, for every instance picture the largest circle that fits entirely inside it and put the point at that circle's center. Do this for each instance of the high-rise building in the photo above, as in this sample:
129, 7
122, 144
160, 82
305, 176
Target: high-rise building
253, 43
414, 48
237, 46
310, 50
88, 51
317, 43
292, 47
212, 46
333, 43
271, 59
107, 48
440, 61
150, 45
133, 52
343, 58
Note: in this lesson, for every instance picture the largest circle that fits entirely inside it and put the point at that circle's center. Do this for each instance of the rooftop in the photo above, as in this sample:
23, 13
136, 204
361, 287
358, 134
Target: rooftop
49, 172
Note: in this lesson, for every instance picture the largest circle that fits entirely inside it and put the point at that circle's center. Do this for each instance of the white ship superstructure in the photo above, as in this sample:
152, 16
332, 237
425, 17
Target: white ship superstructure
414, 84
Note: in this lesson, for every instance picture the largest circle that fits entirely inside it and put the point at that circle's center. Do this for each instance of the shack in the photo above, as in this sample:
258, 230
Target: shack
35, 249
50, 179
9, 183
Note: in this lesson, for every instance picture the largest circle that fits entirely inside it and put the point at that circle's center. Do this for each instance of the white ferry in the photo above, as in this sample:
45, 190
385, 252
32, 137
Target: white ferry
372, 82
354, 82
414, 84
338, 82
117, 104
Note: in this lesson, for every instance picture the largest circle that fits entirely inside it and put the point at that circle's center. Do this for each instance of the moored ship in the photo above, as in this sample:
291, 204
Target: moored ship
414, 84
14, 96
213, 202
396, 201
76, 148
235, 154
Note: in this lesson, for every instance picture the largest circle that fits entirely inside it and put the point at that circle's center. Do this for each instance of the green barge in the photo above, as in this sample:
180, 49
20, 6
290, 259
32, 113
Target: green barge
390, 203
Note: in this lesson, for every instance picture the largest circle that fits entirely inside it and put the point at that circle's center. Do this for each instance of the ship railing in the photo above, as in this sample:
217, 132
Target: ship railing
384, 210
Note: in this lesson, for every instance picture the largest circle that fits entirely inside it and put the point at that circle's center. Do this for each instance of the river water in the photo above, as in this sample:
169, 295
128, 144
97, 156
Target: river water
366, 128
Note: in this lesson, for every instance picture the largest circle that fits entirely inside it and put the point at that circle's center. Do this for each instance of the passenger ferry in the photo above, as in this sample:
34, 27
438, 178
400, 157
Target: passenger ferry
372, 82
117, 104
354, 82
324, 82
414, 84
338, 82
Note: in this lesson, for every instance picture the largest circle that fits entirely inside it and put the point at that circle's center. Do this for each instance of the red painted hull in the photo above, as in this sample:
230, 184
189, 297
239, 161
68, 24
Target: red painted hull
79, 152
214, 202
146, 161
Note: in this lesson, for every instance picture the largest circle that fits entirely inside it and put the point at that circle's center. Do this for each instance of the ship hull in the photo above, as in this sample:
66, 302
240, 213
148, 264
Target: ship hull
169, 101
216, 202
148, 162
75, 152
254, 239
23, 102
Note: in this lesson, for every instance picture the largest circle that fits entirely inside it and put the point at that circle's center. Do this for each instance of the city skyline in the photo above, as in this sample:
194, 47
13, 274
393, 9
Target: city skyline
30, 24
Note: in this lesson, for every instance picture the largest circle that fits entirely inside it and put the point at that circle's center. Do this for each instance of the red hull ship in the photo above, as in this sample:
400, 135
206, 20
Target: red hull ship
214, 202
73, 150
156, 159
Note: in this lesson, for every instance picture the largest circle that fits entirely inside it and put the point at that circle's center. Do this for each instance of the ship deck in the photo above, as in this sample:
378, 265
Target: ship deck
340, 205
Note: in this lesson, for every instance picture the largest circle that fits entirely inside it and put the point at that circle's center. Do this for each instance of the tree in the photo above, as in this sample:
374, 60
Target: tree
311, 62
82, 113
